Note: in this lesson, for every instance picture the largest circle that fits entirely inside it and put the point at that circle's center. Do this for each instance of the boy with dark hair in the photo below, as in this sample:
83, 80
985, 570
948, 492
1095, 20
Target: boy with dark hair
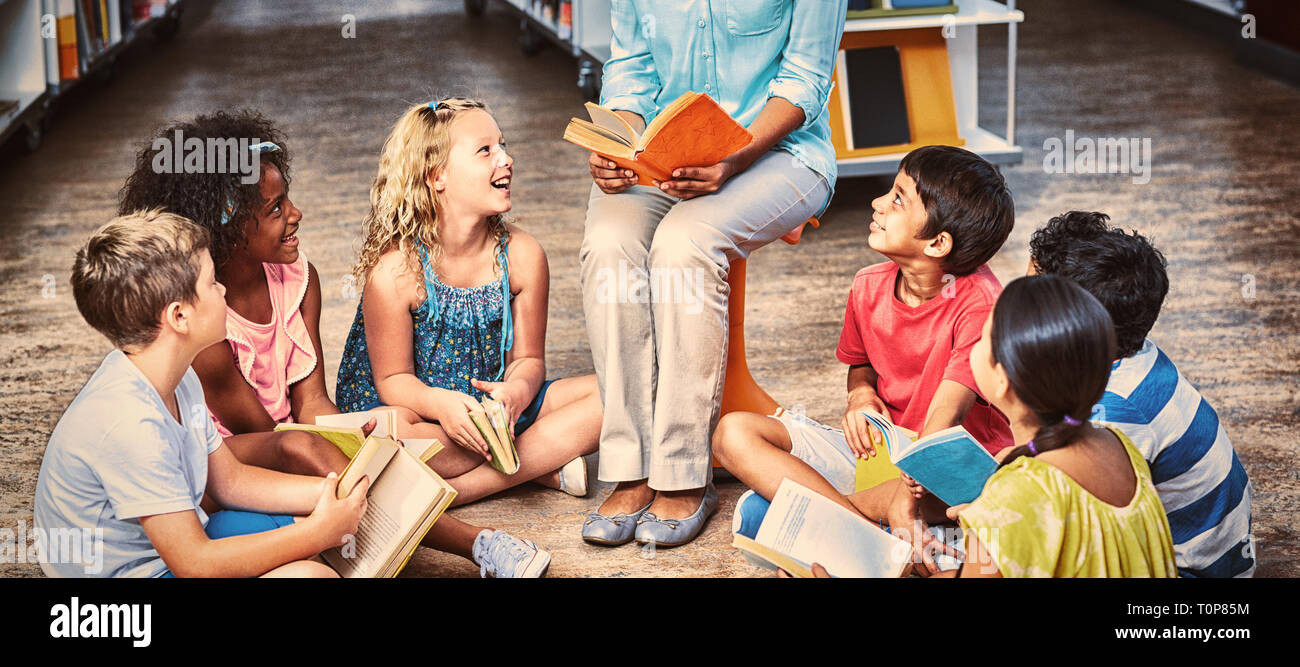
1201, 482
132, 456
908, 330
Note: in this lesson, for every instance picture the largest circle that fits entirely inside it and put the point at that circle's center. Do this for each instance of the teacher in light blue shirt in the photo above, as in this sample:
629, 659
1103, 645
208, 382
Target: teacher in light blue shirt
655, 259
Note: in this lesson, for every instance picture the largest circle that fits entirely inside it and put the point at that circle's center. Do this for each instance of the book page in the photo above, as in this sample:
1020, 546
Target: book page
812, 529
768, 558
376, 531
896, 437
612, 122
444, 494
370, 460
422, 448
496, 414
399, 501
385, 421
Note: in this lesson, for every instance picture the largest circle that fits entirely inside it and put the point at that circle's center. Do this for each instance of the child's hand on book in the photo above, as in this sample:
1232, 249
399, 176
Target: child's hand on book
609, 177
863, 438
818, 572
512, 394
337, 518
452, 409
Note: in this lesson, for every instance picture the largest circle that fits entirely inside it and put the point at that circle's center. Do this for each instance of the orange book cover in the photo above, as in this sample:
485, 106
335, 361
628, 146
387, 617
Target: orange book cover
693, 131
67, 32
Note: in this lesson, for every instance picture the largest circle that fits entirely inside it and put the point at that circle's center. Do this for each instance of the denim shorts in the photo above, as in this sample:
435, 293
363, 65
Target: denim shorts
229, 523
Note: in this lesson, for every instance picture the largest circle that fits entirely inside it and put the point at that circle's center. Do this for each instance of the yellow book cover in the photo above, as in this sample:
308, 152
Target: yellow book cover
878, 468
347, 439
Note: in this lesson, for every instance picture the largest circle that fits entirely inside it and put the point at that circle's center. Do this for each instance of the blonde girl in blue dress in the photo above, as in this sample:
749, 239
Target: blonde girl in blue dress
454, 308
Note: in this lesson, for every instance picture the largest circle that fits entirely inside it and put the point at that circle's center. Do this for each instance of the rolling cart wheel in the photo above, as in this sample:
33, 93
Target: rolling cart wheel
475, 7
107, 72
590, 88
530, 41
588, 80
32, 136
167, 28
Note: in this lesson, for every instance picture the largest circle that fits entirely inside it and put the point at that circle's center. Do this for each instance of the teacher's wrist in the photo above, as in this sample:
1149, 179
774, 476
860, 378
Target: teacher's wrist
743, 158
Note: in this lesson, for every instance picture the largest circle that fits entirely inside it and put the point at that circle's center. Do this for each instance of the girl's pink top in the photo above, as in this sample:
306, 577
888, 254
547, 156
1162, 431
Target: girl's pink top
274, 355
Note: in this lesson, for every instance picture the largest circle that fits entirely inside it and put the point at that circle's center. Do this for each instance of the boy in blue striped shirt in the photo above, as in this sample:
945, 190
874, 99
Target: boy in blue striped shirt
1201, 482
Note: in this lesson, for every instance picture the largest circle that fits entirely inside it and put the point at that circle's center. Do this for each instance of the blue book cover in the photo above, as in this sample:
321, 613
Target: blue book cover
951, 463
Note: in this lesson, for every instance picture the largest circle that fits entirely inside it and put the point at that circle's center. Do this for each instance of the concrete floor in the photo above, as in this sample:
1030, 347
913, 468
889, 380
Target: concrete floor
1223, 203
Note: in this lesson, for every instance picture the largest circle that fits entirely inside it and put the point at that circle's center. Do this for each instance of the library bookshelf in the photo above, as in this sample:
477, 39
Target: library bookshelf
48, 47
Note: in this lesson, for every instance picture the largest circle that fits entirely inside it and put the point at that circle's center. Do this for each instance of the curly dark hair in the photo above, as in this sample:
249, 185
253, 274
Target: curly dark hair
1121, 269
204, 197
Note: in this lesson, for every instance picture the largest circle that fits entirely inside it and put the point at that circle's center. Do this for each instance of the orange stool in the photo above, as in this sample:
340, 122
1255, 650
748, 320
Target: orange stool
739, 389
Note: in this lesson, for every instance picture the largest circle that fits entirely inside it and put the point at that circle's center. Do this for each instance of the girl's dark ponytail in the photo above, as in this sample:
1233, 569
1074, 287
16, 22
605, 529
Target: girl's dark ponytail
1056, 343
1049, 437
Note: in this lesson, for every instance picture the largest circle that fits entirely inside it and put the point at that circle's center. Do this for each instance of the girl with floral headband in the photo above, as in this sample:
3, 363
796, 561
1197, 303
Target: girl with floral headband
269, 369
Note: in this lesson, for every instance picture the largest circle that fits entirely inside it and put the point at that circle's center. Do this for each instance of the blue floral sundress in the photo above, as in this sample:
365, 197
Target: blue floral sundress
461, 333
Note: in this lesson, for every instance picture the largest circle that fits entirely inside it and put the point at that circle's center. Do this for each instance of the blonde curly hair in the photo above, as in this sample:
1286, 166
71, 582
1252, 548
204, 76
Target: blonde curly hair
403, 210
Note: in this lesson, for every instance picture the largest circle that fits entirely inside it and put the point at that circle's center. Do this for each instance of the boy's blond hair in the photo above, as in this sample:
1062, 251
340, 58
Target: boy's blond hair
403, 211
132, 268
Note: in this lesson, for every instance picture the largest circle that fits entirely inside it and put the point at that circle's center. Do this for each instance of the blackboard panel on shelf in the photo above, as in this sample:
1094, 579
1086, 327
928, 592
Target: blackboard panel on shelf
876, 97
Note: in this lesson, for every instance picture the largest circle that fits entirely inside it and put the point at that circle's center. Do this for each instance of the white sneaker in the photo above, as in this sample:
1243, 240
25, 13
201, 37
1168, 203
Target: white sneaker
505, 556
573, 477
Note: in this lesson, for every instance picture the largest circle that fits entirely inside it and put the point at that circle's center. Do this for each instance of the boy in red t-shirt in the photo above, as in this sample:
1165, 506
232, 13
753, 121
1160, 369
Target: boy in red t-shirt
908, 329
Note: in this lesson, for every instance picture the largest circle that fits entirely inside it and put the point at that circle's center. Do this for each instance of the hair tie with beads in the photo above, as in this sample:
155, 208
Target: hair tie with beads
1072, 421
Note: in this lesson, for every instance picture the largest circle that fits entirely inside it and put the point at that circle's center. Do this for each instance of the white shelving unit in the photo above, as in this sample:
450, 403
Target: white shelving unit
22, 65
963, 61
30, 81
587, 39
592, 33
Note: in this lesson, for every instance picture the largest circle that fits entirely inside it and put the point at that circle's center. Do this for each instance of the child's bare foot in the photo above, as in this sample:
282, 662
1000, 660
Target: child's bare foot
677, 504
628, 497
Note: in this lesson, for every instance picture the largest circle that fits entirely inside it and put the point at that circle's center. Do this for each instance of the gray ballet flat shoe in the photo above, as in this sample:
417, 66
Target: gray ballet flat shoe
676, 532
611, 531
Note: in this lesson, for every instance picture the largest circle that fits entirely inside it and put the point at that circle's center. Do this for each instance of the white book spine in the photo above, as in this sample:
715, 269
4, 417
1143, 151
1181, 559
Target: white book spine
50, 38
114, 21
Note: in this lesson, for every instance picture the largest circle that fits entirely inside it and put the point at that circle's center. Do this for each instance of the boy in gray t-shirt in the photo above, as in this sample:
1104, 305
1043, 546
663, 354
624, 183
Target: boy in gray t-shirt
117, 455
129, 461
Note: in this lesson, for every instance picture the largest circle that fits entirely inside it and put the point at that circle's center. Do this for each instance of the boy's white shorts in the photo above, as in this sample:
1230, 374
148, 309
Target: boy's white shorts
822, 447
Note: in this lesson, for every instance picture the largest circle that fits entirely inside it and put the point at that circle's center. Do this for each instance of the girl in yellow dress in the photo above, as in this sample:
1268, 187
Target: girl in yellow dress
1075, 500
